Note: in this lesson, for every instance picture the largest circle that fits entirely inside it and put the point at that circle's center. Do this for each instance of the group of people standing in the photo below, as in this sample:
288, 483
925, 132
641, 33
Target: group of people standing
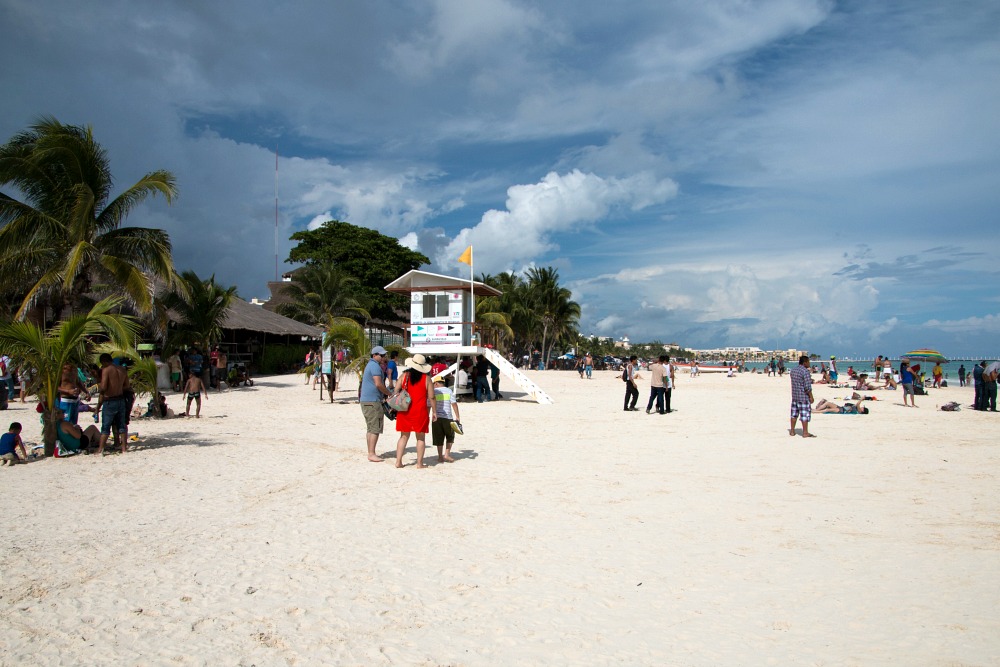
661, 384
432, 407
985, 380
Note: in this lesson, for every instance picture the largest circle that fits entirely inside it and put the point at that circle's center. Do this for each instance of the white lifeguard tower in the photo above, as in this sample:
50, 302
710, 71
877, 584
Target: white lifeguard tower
443, 323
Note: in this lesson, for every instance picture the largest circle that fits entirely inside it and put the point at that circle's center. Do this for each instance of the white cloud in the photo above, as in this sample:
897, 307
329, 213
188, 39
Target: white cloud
318, 221
537, 212
460, 31
989, 324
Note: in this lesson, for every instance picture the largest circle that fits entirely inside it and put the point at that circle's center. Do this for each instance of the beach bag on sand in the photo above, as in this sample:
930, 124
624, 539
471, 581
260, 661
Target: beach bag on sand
400, 402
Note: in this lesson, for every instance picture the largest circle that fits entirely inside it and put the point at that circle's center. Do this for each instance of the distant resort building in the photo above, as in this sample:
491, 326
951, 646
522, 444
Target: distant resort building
748, 353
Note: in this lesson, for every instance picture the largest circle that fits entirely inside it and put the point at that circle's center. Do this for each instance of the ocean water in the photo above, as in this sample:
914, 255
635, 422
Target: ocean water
950, 369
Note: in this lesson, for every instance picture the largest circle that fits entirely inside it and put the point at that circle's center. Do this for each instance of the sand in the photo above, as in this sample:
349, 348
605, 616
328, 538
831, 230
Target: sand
572, 533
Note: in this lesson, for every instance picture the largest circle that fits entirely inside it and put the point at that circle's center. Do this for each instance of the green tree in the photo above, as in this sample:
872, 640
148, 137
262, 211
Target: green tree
553, 305
200, 306
373, 258
321, 291
66, 238
343, 332
68, 342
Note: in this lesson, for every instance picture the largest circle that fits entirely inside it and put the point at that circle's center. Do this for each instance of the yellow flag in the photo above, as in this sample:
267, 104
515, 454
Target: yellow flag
466, 257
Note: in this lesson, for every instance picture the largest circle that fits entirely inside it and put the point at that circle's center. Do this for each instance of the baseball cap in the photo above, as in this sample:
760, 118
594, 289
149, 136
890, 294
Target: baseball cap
378, 349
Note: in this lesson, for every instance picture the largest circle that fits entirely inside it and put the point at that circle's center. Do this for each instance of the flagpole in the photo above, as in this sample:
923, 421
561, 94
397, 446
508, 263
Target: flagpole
472, 290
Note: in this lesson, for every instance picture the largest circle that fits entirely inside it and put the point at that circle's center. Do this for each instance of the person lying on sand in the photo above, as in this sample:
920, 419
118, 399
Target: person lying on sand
829, 407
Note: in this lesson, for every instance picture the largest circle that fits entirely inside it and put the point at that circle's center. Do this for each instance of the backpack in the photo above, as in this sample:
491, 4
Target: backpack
625, 374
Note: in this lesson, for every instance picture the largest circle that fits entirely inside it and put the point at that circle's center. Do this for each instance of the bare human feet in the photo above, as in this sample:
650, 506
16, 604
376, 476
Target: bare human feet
374, 459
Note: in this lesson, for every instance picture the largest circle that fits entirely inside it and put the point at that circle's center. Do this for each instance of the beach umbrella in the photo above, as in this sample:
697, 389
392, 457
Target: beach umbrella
924, 355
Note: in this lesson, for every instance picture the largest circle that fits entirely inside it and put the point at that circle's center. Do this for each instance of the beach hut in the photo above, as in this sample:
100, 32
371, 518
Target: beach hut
442, 323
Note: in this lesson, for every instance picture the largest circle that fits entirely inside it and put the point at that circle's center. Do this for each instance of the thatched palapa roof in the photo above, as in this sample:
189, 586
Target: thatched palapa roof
243, 315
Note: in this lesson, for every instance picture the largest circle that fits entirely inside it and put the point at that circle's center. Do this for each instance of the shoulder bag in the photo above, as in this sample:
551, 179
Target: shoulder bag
400, 401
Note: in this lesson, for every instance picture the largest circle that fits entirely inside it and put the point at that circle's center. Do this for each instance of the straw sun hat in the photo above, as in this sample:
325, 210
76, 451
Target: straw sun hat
418, 362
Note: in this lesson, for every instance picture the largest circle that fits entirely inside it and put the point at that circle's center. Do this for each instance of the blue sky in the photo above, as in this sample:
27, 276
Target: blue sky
793, 173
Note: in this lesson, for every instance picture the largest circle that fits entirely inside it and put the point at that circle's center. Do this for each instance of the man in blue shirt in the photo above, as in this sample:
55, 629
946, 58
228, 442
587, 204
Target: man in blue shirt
371, 394
392, 371
906, 378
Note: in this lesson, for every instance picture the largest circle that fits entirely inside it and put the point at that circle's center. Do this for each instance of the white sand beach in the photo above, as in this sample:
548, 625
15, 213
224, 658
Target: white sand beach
572, 533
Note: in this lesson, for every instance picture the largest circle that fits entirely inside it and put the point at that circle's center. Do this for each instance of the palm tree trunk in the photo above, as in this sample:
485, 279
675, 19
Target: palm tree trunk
545, 335
49, 425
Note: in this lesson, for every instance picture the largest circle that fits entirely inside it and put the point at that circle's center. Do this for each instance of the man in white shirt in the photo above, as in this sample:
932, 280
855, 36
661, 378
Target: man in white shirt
656, 388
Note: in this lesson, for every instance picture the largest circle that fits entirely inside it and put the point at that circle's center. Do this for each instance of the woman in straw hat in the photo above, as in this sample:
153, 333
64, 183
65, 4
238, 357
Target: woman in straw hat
417, 419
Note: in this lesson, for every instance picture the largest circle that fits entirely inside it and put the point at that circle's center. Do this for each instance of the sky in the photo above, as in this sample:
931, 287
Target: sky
803, 174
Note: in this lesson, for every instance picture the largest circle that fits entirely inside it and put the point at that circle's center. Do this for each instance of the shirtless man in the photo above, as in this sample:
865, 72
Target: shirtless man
68, 392
114, 406
193, 388
221, 367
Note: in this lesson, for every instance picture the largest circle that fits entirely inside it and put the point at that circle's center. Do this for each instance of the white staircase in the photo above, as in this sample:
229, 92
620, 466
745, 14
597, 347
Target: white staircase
519, 378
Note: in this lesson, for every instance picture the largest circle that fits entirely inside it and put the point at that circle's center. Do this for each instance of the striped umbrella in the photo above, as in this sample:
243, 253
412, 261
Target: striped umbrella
924, 355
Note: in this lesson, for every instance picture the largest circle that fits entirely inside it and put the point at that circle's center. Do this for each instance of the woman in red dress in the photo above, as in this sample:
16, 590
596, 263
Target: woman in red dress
417, 419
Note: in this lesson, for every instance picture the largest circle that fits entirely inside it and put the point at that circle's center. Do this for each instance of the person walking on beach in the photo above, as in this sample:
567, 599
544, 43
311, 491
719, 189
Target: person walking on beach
588, 366
416, 380
961, 375
781, 366
877, 365
656, 388
371, 394
938, 374
802, 397
631, 390
668, 384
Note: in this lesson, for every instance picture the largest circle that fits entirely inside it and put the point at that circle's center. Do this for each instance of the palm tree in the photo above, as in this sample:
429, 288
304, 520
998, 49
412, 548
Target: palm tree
69, 341
343, 332
66, 239
553, 305
321, 291
200, 306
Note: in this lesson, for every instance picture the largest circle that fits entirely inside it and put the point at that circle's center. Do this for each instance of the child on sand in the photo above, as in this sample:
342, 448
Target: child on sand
193, 388
10, 442
442, 432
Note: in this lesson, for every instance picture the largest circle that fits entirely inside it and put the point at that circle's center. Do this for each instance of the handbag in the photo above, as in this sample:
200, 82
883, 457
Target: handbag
389, 413
400, 401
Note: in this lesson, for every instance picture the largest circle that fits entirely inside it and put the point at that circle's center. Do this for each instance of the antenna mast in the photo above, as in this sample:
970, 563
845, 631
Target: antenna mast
275, 213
